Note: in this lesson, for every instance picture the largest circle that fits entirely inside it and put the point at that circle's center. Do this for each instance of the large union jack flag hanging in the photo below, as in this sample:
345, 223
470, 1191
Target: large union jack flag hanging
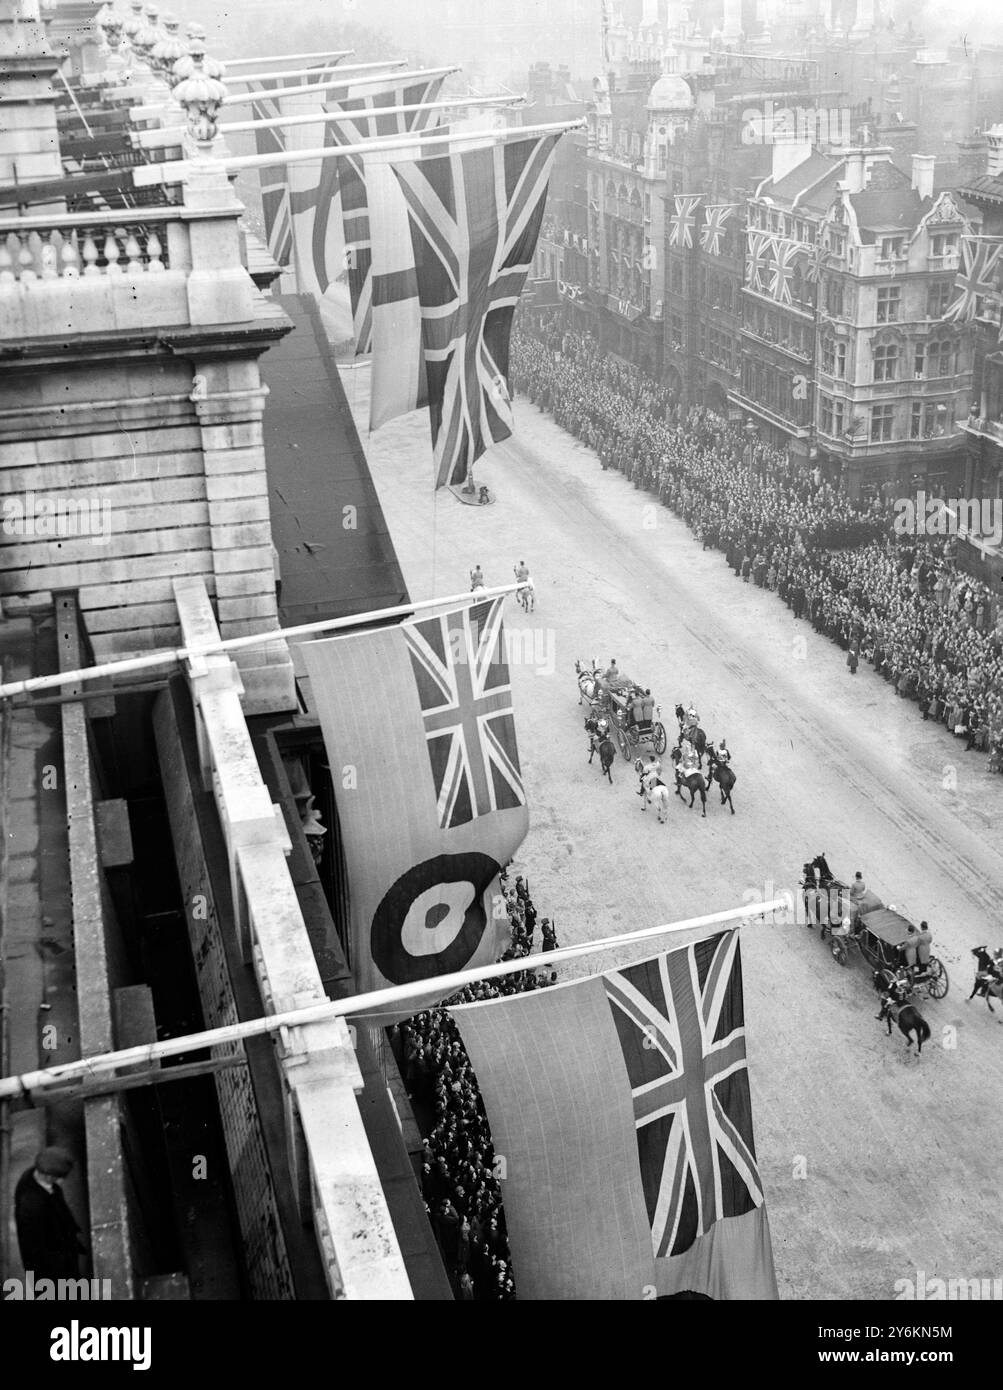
360, 125
712, 233
980, 258
461, 671
683, 220
475, 219
281, 205
275, 209
681, 1024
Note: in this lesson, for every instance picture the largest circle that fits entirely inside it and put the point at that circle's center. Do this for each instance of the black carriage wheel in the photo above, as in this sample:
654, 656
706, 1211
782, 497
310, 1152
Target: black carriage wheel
659, 742
938, 983
624, 744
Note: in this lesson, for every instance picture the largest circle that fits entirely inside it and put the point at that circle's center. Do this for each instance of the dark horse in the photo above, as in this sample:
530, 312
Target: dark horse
908, 1018
692, 781
987, 980
722, 774
597, 728
607, 756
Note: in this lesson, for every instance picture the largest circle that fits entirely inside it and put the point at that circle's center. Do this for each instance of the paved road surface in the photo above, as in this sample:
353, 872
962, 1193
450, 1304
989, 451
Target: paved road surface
876, 1166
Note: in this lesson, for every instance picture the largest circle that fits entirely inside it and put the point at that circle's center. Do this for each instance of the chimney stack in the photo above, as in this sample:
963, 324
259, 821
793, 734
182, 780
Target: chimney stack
787, 155
994, 165
854, 176
922, 174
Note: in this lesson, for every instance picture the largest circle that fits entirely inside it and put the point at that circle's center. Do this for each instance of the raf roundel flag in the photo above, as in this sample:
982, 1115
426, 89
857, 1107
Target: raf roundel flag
420, 731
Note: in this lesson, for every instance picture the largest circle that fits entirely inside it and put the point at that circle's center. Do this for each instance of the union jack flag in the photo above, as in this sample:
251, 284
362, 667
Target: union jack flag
782, 270
279, 205
681, 1025
461, 671
683, 221
713, 231
359, 125
475, 219
760, 250
976, 279
814, 259
274, 178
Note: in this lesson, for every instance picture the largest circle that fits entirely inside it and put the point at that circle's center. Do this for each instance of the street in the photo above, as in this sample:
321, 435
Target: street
876, 1165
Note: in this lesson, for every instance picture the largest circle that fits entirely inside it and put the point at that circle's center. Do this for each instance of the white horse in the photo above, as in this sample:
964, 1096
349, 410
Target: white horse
653, 792
589, 685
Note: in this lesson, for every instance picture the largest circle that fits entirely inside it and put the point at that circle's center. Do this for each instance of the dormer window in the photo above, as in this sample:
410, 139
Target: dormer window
892, 248
944, 244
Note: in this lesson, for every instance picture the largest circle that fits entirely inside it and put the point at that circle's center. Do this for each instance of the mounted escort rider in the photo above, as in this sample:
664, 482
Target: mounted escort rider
524, 595
597, 728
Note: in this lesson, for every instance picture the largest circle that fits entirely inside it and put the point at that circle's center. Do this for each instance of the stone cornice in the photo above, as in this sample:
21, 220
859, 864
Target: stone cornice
85, 350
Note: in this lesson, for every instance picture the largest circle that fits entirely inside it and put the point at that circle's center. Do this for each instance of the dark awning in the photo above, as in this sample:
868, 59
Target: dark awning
316, 468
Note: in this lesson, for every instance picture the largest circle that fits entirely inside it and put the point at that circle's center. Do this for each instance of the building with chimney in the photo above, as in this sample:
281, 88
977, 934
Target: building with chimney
893, 374
721, 157
630, 135
847, 359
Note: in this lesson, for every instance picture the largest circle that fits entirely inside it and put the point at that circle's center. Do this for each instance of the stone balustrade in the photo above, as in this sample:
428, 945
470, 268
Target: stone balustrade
155, 267
102, 249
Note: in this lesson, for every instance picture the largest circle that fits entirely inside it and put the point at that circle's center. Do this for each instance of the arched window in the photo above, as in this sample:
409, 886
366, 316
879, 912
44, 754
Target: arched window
940, 359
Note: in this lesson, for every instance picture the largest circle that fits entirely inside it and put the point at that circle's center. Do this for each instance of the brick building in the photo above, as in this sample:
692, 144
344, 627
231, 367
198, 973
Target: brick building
893, 374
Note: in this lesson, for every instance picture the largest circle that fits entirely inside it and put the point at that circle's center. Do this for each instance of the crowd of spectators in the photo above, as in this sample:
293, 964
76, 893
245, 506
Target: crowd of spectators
896, 601
460, 1176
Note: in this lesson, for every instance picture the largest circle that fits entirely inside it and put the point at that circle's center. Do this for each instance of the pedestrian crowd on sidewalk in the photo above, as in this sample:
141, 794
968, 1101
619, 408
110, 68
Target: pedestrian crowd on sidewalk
898, 602
460, 1170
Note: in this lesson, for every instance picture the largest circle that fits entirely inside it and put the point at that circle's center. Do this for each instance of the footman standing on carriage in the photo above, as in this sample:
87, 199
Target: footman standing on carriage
924, 941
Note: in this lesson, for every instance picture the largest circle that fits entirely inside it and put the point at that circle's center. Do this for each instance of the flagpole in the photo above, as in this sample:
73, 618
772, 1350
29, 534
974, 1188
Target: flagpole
339, 73
169, 656
329, 117
229, 63
337, 79
145, 175
150, 1053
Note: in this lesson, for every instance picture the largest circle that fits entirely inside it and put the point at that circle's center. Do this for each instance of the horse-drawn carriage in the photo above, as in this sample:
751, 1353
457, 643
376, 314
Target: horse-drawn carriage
863, 923
880, 936
615, 699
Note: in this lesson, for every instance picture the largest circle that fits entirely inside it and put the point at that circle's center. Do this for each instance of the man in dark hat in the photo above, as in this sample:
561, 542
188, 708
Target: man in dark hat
48, 1235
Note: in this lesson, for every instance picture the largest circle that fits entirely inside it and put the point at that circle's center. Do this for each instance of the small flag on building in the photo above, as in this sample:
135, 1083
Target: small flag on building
758, 265
683, 220
976, 281
786, 255
713, 231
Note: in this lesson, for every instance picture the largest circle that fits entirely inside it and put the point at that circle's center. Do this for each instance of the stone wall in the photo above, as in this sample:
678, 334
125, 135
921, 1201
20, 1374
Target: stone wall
265, 1255
146, 484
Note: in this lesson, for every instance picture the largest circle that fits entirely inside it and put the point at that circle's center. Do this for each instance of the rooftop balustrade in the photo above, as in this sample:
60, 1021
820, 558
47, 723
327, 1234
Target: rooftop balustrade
158, 267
